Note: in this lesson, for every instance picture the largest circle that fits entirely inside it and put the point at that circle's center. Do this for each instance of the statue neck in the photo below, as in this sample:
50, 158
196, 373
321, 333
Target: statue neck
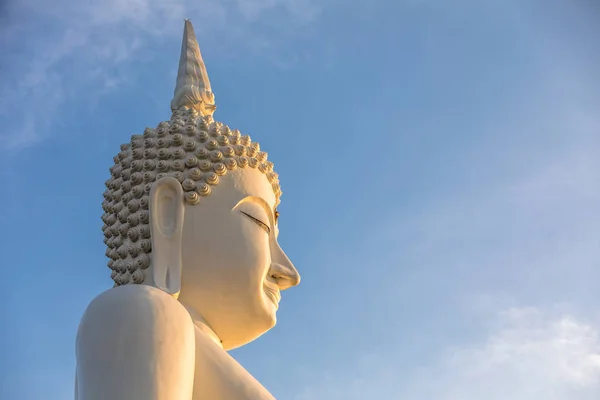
201, 324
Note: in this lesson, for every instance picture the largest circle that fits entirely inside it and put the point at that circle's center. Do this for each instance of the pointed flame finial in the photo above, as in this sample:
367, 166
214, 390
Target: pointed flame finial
193, 87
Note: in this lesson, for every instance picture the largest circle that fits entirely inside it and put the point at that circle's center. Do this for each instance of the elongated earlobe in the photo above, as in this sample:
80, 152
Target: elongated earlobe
166, 224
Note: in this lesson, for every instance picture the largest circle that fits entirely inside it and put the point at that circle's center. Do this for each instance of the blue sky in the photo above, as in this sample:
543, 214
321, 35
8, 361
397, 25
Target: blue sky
440, 168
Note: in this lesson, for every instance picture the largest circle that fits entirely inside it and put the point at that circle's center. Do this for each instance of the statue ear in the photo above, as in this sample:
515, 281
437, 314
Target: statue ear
166, 227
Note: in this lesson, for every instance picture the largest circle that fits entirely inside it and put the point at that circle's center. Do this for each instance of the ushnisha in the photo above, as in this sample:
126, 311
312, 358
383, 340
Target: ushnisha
190, 224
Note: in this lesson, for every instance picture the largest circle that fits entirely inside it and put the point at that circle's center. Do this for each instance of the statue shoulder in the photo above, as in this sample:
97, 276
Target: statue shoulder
128, 338
136, 304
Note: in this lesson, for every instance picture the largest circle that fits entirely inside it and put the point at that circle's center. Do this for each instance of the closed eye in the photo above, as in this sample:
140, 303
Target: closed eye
258, 222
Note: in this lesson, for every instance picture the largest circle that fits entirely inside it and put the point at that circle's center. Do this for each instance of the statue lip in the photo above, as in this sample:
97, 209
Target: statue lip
272, 291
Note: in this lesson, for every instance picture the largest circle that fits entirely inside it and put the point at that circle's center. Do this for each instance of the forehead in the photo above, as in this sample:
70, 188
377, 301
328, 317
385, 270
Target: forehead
241, 183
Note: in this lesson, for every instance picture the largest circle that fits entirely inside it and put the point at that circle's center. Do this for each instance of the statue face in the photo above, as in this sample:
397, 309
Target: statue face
233, 269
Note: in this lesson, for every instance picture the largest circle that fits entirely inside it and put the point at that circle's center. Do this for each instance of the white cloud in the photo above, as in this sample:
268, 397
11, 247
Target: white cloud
531, 355
87, 45
527, 355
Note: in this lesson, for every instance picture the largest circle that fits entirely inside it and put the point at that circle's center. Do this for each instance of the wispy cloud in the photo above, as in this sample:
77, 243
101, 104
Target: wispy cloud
527, 354
54, 51
530, 355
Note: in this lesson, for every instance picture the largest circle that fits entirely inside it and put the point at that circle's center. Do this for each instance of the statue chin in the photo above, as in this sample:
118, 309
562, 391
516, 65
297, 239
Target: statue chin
191, 230
235, 332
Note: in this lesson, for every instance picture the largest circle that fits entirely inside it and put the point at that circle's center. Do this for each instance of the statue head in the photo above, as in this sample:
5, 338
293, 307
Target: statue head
190, 208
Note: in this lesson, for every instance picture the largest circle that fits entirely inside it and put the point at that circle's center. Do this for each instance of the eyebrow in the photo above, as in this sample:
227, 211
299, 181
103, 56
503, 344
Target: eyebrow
264, 204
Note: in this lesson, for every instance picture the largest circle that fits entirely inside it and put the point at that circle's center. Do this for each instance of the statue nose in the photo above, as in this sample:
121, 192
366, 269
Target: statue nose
283, 271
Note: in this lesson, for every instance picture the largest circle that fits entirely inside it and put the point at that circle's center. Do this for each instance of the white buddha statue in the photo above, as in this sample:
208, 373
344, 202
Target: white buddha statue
191, 229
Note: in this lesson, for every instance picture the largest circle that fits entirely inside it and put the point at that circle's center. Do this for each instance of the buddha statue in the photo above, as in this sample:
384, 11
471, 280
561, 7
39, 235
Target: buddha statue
190, 225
